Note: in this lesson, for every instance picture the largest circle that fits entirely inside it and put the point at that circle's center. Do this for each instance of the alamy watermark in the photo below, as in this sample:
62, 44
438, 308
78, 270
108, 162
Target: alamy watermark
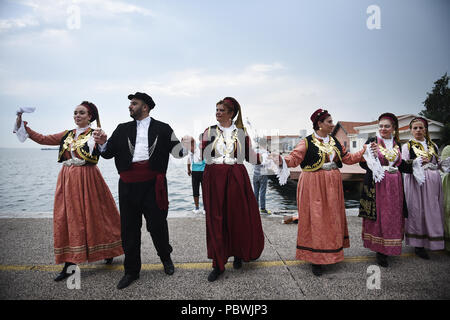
74, 281
73, 21
374, 280
374, 20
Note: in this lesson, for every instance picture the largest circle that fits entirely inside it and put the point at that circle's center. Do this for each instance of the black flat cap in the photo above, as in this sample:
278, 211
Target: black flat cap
144, 97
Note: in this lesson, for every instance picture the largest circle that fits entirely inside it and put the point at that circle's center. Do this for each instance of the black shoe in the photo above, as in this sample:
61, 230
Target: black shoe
317, 270
422, 253
126, 281
63, 274
237, 263
382, 260
109, 261
169, 268
214, 274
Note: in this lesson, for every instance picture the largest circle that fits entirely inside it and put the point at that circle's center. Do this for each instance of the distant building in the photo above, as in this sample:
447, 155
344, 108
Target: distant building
348, 136
284, 143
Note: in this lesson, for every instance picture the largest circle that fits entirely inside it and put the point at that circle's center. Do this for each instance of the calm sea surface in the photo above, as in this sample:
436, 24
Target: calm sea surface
28, 180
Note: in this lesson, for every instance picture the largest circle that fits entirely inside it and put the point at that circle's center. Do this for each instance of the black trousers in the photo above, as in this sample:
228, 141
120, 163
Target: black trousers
197, 178
135, 200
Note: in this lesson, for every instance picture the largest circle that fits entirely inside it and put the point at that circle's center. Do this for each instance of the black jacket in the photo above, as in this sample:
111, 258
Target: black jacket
122, 141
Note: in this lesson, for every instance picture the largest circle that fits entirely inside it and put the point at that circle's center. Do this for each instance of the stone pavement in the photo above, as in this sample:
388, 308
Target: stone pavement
27, 269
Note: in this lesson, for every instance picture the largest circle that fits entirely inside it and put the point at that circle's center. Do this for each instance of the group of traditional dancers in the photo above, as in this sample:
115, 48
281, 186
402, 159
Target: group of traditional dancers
88, 226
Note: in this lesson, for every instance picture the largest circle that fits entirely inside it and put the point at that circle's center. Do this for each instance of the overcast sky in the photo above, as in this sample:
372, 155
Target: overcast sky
280, 59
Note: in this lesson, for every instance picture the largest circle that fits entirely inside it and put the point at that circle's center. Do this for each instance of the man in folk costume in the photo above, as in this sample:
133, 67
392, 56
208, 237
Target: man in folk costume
141, 151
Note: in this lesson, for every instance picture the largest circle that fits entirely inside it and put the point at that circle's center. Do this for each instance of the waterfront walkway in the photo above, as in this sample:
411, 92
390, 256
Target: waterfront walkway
27, 269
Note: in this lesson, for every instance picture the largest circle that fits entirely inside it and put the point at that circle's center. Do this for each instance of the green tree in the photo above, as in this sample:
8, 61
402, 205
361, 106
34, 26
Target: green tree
437, 107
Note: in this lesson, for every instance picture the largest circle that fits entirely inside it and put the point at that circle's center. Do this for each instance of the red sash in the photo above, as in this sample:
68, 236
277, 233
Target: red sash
141, 172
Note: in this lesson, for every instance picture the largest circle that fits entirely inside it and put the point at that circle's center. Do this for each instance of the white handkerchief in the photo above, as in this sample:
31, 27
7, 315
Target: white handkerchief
374, 165
21, 133
418, 171
282, 174
26, 110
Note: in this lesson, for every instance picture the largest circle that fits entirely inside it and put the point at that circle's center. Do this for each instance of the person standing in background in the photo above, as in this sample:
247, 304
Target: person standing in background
195, 168
260, 186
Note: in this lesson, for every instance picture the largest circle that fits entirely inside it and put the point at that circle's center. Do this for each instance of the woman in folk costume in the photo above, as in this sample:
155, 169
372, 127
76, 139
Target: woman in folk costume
86, 222
322, 224
424, 227
445, 167
233, 222
382, 203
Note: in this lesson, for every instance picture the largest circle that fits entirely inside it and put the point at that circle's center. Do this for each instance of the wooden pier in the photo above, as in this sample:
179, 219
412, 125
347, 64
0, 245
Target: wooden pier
349, 172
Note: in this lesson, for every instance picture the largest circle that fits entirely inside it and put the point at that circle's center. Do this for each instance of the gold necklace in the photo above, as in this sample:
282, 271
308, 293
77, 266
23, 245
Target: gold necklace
226, 144
327, 148
390, 155
75, 144
420, 151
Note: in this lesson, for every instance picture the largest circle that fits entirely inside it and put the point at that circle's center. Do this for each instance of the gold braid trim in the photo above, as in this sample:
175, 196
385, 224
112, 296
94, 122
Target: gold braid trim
324, 149
70, 144
79, 144
80, 249
419, 150
64, 146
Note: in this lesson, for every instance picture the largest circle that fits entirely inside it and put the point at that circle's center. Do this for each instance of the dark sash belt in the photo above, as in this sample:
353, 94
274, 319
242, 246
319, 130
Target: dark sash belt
141, 172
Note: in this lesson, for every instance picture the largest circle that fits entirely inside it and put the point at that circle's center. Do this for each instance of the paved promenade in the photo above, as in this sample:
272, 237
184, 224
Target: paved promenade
27, 269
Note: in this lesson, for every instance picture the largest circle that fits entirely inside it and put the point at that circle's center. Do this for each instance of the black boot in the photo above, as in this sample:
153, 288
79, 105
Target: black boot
126, 281
317, 270
382, 260
169, 268
420, 251
237, 263
63, 274
214, 274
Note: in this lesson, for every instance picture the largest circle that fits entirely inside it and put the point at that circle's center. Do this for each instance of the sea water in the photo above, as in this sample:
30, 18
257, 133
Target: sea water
28, 180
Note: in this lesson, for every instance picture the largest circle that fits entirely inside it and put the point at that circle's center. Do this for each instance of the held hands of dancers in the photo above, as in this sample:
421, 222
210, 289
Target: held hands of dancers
275, 157
100, 136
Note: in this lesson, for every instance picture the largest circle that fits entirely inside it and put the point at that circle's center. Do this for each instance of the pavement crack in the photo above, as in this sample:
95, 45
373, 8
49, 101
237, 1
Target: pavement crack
285, 265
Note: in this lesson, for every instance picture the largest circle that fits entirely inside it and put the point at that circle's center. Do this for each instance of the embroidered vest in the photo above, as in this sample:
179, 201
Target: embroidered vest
416, 149
79, 147
236, 143
315, 158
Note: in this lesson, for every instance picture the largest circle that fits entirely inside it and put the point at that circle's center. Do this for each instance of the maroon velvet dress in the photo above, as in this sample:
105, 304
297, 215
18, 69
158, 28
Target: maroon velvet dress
233, 221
